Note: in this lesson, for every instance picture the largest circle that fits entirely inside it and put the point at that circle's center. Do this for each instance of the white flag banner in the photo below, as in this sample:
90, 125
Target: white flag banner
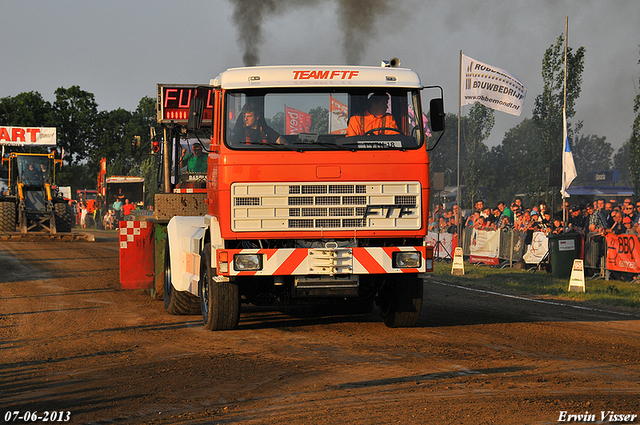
568, 166
493, 87
28, 136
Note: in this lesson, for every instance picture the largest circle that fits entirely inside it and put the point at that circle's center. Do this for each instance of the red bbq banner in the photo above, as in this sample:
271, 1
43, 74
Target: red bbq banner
297, 121
623, 253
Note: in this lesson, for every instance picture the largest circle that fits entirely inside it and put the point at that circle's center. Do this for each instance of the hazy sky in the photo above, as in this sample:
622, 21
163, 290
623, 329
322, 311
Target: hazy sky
118, 50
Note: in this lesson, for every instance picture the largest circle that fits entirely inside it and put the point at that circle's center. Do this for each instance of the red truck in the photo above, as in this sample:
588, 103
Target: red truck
298, 208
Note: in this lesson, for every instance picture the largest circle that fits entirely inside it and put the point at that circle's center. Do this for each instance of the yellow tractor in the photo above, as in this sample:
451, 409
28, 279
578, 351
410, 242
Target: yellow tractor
32, 202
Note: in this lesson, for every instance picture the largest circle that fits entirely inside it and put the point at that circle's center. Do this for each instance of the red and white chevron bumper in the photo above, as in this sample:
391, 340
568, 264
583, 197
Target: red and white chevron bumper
322, 261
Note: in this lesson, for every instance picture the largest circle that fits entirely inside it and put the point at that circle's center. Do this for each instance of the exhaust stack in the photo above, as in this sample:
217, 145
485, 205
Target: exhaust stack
392, 63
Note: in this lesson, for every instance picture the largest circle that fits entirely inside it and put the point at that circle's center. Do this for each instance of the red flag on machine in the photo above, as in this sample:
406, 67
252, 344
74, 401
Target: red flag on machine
338, 114
296, 121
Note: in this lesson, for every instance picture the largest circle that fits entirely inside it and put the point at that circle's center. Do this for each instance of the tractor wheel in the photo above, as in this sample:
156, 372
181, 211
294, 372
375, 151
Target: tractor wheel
64, 217
7, 216
177, 302
401, 301
219, 301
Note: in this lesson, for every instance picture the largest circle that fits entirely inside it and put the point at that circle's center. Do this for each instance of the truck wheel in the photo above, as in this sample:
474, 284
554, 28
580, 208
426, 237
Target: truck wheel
219, 301
64, 217
7, 217
401, 301
177, 302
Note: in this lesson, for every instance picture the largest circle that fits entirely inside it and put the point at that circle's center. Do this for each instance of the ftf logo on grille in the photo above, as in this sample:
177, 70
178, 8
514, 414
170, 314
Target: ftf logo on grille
389, 210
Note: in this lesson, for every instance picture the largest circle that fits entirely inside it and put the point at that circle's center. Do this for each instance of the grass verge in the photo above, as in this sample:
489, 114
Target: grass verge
612, 293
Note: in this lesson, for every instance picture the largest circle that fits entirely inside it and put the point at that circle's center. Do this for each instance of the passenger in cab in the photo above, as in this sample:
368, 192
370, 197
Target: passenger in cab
251, 128
375, 117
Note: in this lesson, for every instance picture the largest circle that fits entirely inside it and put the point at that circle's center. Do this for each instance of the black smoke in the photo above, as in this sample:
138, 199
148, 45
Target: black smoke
357, 19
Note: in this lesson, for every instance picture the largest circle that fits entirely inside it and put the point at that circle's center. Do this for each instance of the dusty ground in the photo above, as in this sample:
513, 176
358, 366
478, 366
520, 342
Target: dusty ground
72, 341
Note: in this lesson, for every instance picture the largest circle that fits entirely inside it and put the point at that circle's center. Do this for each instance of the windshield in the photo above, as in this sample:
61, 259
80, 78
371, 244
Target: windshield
87, 195
193, 155
33, 170
324, 120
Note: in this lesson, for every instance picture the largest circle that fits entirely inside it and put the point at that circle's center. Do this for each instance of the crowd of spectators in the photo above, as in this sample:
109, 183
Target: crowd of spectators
97, 213
597, 217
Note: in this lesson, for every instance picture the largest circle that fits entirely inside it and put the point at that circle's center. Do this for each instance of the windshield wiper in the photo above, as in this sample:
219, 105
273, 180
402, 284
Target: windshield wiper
275, 145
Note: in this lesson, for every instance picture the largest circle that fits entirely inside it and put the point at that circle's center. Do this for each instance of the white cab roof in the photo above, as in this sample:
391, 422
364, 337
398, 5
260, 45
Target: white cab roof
316, 76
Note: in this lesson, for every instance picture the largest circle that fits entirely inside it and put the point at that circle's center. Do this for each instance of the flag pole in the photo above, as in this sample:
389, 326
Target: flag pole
458, 182
564, 114
330, 112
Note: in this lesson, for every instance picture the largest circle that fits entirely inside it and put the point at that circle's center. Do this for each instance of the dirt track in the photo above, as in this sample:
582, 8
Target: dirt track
71, 340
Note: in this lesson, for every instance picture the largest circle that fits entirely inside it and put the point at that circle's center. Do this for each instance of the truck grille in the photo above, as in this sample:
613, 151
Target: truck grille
321, 206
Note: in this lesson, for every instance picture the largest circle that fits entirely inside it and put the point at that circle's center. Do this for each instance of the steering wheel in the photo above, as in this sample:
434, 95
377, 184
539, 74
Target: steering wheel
370, 132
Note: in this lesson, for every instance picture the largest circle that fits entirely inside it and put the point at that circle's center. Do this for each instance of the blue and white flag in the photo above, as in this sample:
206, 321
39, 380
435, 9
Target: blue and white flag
568, 166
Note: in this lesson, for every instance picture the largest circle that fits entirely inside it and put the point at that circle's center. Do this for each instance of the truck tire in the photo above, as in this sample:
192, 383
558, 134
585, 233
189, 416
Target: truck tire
7, 216
219, 301
400, 301
64, 217
177, 302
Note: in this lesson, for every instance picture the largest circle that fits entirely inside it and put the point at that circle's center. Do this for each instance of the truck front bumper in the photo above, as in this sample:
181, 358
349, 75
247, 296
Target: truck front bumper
324, 261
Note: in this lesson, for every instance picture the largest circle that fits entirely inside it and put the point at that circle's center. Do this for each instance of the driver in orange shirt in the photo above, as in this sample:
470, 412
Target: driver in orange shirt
375, 121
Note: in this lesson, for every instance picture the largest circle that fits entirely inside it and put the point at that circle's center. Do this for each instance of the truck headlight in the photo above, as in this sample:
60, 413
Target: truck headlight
407, 260
247, 262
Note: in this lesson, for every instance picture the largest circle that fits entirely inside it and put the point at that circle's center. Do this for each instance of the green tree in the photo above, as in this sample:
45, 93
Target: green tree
149, 171
27, 109
517, 164
547, 112
74, 113
591, 153
319, 120
475, 130
276, 122
475, 171
118, 129
444, 158
145, 114
621, 163
113, 141
86, 135
142, 120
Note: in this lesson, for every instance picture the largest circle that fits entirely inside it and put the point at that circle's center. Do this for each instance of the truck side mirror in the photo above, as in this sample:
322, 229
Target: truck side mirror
195, 114
436, 107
